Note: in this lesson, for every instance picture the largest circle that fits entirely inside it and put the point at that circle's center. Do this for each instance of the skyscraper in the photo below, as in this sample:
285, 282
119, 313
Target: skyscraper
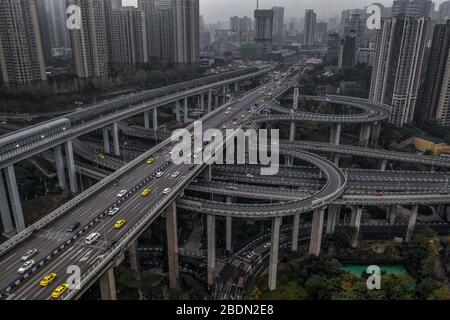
435, 103
21, 53
347, 51
150, 9
166, 30
128, 40
59, 34
310, 27
413, 8
90, 43
187, 31
444, 11
234, 23
278, 22
400, 47
264, 28
321, 36
332, 49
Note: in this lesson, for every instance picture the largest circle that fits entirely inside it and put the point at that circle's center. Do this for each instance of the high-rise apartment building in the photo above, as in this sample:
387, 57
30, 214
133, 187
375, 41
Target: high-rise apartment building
310, 27
444, 11
278, 22
21, 52
90, 43
264, 28
59, 34
187, 31
333, 49
413, 8
321, 36
435, 103
400, 47
128, 40
347, 51
166, 31
150, 9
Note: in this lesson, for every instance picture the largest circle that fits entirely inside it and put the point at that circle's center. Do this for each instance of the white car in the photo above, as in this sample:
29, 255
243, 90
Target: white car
167, 191
121, 193
159, 174
27, 255
113, 211
227, 112
26, 266
92, 238
175, 174
267, 245
250, 176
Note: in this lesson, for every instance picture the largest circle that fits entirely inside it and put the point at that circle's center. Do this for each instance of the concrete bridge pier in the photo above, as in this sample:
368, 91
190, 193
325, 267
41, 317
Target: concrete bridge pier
116, 141
295, 232
59, 161
133, 258
412, 223
376, 130
433, 169
207, 173
274, 247
209, 101
202, 101
71, 167
172, 244
155, 120
383, 165
357, 224
392, 211
229, 235
211, 239
186, 110
335, 135
177, 111
8, 228
216, 102
364, 136
332, 218
442, 210
106, 144
316, 231
147, 120
236, 86
108, 285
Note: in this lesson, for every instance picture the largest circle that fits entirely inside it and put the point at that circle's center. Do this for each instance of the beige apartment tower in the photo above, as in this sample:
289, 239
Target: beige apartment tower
187, 31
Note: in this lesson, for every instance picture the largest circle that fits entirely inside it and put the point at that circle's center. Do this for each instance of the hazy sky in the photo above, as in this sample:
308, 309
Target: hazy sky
215, 10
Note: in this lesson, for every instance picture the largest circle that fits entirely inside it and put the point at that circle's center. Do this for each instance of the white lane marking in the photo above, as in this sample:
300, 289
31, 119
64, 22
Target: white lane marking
79, 251
86, 256
9, 258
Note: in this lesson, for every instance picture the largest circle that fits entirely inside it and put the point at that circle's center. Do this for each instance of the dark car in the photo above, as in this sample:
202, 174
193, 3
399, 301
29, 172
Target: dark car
73, 227
191, 168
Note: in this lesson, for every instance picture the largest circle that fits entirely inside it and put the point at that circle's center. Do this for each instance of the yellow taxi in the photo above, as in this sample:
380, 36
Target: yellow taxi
146, 192
150, 161
119, 224
101, 156
60, 291
48, 279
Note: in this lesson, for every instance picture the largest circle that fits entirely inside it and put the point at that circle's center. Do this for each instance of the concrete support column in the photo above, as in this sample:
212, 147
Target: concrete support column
332, 218
108, 285
209, 101
364, 136
229, 235
433, 169
357, 225
147, 120
353, 215
441, 210
412, 223
133, 258
172, 244
202, 101
392, 215
177, 111
236, 86
336, 159
4, 210
155, 119
335, 135
186, 110
376, 130
211, 238
59, 160
216, 103
71, 167
383, 165
274, 246
106, 145
316, 231
207, 173
295, 232
116, 141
